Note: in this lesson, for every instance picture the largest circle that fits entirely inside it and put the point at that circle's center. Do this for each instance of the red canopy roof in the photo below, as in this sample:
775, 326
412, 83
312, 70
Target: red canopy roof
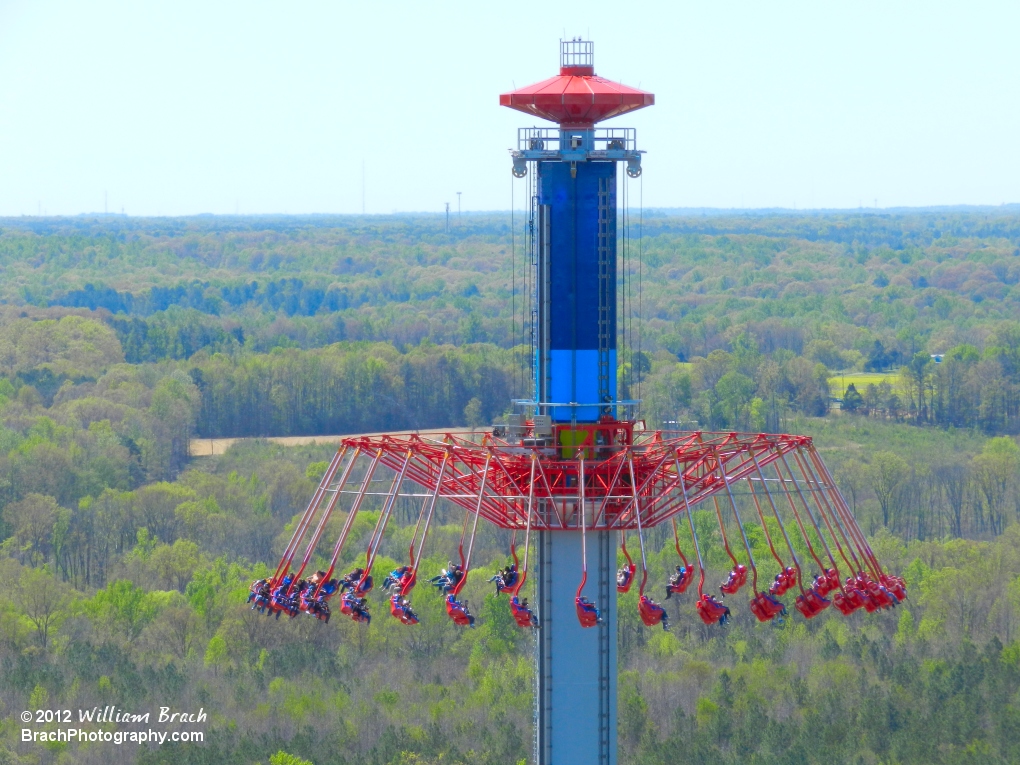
577, 98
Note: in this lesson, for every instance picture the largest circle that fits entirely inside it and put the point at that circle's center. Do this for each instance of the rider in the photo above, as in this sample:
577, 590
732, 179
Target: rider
352, 579
462, 607
359, 609
675, 580
654, 609
522, 612
505, 579
590, 608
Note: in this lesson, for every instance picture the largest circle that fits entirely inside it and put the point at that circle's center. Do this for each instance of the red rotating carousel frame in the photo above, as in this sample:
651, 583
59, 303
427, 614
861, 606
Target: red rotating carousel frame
624, 480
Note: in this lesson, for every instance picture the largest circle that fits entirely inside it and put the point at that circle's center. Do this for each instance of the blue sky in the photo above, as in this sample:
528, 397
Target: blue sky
268, 107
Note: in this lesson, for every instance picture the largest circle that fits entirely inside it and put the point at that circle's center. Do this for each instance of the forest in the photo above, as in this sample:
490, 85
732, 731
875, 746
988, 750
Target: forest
890, 338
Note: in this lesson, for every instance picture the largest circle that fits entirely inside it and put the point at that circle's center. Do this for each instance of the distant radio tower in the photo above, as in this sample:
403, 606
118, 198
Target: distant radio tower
458, 208
447, 217
362, 187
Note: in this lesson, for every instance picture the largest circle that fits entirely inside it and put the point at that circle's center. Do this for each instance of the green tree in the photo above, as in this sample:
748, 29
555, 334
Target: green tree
852, 400
888, 473
44, 602
996, 474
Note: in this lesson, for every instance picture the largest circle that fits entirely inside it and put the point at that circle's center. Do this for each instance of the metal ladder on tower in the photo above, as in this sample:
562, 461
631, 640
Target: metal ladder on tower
605, 288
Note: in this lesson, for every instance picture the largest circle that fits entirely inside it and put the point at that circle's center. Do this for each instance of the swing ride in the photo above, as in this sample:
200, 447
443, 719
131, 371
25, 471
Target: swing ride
526, 485
572, 470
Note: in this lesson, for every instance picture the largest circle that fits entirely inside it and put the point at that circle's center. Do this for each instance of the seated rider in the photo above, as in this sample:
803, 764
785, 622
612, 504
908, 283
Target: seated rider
359, 609
589, 607
328, 589
255, 589
522, 612
505, 579
352, 579
623, 577
283, 587
455, 606
675, 581
401, 608
509, 576
449, 578
498, 579
456, 574
394, 578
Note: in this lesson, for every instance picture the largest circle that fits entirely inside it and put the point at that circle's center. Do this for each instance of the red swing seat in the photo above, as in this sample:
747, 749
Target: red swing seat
810, 604
651, 613
456, 611
587, 613
736, 580
896, 586
826, 582
785, 579
402, 612
711, 610
766, 608
684, 581
522, 615
407, 582
627, 574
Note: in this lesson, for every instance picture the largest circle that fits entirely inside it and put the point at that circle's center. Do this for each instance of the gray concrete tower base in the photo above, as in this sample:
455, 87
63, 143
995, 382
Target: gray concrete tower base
576, 694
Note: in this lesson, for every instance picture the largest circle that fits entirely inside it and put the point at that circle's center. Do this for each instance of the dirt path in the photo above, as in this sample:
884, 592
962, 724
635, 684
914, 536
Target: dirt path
210, 447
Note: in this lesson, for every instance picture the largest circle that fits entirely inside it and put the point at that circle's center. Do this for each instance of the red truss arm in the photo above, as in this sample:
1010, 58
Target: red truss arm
707, 462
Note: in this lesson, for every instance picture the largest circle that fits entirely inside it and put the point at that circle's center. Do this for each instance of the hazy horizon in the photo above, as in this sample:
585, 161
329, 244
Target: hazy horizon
169, 110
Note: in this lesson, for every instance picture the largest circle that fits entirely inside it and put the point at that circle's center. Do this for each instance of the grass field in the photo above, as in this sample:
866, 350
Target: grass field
840, 382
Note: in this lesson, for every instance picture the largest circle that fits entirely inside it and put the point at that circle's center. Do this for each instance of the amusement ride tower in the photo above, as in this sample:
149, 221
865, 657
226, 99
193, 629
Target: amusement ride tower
573, 467
575, 384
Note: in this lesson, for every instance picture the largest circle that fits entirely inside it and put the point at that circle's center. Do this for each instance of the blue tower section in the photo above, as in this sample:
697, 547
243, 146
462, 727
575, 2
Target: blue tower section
577, 251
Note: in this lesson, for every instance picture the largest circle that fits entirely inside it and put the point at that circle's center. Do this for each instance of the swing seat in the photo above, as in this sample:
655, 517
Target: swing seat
407, 582
350, 581
456, 611
347, 604
362, 617
329, 589
402, 612
523, 616
686, 576
785, 579
896, 586
826, 582
876, 597
810, 604
322, 613
712, 611
363, 586
393, 578
587, 614
651, 613
766, 608
511, 580
625, 578
736, 580
848, 601
307, 602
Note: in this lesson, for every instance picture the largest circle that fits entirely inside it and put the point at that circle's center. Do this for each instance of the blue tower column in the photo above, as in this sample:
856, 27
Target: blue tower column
576, 684
577, 289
